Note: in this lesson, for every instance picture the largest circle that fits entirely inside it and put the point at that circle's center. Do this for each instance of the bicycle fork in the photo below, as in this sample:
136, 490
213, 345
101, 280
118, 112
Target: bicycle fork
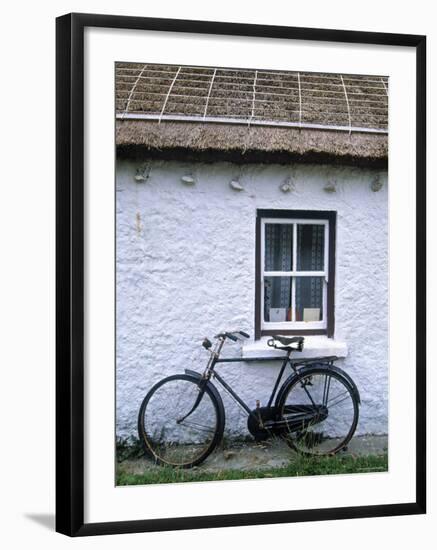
202, 386
206, 376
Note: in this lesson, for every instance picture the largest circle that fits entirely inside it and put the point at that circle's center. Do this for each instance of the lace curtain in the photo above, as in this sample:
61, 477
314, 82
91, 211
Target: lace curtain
279, 257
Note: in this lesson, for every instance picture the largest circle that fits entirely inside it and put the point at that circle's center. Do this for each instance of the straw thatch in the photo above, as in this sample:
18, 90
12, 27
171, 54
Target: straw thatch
151, 100
211, 142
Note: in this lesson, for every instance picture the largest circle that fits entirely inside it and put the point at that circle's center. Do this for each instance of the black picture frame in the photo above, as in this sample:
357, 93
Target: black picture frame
70, 273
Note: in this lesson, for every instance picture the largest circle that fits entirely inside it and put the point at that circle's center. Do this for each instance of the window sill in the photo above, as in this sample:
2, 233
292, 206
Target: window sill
314, 346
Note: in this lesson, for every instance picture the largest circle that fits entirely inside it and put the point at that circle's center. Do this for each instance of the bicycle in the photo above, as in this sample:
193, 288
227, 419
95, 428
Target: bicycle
182, 418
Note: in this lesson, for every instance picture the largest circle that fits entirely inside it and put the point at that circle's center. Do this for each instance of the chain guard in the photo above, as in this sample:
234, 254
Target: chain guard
257, 418
261, 415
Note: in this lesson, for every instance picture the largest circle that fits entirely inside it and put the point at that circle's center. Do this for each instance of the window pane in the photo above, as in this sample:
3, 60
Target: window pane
309, 299
278, 246
310, 247
277, 299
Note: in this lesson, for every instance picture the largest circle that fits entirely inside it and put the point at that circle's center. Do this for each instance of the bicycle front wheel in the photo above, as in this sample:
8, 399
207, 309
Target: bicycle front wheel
319, 411
180, 423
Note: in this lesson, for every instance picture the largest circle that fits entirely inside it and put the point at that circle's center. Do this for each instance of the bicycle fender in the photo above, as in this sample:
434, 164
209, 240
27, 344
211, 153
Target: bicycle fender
323, 366
349, 379
211, 386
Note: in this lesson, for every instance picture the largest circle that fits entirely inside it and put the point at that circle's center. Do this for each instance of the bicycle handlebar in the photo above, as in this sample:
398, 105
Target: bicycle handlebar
234, 336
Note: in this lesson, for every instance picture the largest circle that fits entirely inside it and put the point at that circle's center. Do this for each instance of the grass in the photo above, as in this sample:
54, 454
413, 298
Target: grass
299, 466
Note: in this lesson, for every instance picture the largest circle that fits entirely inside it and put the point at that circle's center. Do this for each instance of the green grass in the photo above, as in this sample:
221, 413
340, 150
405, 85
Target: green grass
300, 466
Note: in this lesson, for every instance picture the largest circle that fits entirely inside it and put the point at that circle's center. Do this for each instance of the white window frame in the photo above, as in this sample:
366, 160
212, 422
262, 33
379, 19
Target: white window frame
296, 325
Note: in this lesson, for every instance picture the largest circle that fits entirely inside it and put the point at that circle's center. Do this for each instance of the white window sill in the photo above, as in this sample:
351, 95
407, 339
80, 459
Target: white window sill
314, 346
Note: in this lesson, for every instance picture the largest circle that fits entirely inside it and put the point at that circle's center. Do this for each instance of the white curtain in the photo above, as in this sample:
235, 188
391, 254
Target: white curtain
278, 257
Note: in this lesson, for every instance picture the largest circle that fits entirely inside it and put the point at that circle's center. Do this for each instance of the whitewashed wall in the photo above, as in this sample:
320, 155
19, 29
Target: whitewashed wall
185, 270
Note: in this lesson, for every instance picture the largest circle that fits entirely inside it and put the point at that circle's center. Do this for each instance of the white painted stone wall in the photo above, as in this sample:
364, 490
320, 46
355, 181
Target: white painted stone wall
185, 270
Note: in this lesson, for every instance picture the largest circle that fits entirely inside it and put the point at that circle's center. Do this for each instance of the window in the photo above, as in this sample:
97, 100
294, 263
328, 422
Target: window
295, 272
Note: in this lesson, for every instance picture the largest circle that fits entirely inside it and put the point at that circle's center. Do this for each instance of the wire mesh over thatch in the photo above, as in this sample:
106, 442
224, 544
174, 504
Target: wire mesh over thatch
240, 110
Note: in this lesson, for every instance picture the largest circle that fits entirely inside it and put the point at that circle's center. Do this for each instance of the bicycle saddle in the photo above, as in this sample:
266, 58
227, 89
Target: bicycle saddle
287, 341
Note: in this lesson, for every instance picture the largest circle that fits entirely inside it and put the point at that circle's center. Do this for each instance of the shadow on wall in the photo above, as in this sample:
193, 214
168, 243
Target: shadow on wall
46, 520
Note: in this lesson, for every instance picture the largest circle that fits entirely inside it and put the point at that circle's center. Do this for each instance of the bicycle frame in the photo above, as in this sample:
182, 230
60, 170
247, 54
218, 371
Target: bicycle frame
286, 360
233, 394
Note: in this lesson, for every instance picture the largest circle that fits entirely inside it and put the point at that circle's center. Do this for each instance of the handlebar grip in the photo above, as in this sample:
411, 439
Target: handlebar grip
231, 336
244, 334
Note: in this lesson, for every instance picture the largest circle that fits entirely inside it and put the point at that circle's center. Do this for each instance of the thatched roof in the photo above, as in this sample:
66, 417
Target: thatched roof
251, 115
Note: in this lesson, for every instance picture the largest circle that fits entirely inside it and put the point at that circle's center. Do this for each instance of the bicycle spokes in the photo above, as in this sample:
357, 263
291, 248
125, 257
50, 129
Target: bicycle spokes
199, 427
179, 422
320, 413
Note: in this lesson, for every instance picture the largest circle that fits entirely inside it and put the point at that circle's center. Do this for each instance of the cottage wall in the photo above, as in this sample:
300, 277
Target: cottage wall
186, 269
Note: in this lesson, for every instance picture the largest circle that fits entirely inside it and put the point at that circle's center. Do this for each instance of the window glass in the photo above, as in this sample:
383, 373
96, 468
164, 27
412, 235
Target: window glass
277, 299
310, 247
309, 299
278, 246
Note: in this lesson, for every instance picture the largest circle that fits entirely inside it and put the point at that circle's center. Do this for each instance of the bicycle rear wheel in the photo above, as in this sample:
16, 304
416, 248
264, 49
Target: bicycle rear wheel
320, 412
179, 422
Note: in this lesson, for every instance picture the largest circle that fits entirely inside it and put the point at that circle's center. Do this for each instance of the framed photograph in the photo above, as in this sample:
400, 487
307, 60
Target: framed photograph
240, 274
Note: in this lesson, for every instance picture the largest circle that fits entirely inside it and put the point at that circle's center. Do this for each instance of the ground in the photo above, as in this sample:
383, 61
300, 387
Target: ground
272, 458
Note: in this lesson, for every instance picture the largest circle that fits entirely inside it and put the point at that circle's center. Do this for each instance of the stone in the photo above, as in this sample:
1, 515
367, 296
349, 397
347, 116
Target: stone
142, 174
236, 185
330, 186
228, 454
188, 180
288, 185
376, 184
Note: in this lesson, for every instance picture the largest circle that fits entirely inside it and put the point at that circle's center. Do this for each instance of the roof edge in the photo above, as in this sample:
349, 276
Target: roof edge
237, 143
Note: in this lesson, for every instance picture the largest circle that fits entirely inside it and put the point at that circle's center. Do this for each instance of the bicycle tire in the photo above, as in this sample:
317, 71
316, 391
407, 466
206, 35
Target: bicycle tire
159, 435
306, 436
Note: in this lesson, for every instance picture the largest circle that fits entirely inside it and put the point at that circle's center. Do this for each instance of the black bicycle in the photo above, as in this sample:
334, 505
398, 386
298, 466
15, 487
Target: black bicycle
315, 410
